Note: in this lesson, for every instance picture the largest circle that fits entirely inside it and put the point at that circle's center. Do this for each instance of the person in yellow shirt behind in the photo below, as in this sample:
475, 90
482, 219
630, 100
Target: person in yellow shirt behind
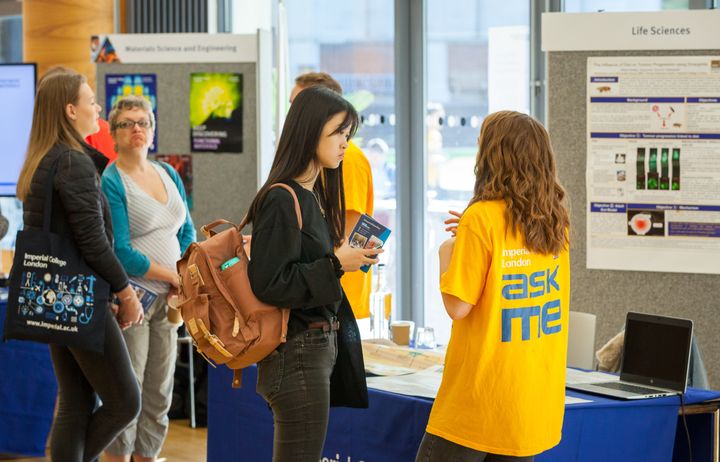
505, 282
358, 184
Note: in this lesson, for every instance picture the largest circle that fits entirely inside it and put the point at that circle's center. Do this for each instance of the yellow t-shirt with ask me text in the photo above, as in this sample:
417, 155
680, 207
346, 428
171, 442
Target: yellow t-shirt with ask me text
357, 181
503, 386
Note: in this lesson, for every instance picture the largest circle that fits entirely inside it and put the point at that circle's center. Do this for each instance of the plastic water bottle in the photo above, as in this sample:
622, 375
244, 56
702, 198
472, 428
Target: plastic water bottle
380, 305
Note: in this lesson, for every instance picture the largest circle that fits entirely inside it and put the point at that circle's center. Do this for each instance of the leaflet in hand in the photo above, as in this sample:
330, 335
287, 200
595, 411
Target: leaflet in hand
146, 296
368, 234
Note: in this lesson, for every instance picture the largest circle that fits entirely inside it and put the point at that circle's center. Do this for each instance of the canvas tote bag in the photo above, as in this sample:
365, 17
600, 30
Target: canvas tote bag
54, 296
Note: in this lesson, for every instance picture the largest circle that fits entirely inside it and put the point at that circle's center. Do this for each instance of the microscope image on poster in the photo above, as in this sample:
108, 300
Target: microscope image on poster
649, 177
646, 222
59, 298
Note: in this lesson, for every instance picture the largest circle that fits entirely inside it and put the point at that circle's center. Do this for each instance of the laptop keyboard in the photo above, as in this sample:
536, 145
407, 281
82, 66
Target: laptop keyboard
627, 387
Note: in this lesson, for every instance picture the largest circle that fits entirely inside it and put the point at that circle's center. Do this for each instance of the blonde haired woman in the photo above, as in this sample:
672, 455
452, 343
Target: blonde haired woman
505, 282
65, 113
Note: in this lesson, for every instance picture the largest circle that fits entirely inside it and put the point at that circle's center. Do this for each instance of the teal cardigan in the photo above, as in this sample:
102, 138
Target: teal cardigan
136, 263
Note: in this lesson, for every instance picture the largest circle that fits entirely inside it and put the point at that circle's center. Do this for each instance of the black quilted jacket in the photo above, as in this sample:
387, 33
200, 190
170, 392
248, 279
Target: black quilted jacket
80, 211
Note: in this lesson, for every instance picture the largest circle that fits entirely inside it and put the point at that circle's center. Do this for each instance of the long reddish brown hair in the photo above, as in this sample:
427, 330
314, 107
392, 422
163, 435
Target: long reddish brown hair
516, 163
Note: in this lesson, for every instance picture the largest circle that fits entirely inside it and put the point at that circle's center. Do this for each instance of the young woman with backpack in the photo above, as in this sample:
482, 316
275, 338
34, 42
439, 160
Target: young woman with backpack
320, 364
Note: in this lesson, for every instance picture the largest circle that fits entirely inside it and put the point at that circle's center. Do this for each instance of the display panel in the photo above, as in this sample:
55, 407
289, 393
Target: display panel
17, 92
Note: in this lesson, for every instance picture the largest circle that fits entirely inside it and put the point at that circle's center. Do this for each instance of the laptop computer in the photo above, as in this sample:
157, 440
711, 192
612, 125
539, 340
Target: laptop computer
656, 354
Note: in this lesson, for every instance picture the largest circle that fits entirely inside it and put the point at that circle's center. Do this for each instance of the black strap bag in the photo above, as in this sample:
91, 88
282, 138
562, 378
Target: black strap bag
54, 296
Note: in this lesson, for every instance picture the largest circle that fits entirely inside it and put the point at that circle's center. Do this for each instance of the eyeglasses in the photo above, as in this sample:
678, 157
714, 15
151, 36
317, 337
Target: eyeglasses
127, 123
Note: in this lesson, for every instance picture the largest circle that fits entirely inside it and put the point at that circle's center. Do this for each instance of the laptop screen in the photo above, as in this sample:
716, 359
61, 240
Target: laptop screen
657, 351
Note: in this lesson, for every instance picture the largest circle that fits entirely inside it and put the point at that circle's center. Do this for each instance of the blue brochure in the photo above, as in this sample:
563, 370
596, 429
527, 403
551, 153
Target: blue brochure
146, 296
368, 234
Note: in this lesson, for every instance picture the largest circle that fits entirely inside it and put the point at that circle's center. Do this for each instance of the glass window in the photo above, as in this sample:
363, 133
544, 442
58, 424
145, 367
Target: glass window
354, 42
589, 6
11, 37
477, 63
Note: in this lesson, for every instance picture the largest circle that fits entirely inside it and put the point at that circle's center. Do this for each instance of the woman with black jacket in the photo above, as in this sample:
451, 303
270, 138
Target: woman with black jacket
321, 363
65, 113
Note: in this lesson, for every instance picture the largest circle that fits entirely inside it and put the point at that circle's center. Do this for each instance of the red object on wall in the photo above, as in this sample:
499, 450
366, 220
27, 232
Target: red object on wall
102, 141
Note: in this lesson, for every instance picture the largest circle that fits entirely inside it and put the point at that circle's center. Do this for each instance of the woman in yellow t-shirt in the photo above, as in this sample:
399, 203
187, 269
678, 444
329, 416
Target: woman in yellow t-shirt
505, 282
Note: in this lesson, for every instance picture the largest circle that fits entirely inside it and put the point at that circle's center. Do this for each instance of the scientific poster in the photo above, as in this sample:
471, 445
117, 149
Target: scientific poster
118, 86
216, 108
653, 163
182, 163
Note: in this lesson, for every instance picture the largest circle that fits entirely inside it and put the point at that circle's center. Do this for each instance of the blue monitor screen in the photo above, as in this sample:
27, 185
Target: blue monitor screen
17, 92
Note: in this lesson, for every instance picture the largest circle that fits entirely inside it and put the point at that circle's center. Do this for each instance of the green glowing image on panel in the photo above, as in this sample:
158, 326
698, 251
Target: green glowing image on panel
216, 107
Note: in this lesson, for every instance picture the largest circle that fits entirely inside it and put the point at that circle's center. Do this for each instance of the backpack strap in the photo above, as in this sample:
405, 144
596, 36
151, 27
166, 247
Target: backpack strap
298, 212
207, 230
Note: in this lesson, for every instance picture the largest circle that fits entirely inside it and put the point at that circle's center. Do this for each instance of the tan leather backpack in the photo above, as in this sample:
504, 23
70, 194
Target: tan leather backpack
228, 324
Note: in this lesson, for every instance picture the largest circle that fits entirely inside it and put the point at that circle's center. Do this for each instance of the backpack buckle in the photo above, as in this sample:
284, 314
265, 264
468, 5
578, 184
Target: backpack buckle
213, 340
195, 274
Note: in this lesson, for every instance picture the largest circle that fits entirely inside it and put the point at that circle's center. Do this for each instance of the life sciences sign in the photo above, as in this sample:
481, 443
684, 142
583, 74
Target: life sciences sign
663, 30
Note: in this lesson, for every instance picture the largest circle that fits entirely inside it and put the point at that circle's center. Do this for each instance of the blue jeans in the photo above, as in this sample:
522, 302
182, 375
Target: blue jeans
295, 382
436, 449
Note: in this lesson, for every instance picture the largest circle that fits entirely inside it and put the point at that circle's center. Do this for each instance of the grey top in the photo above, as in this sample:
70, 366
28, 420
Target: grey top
154, 225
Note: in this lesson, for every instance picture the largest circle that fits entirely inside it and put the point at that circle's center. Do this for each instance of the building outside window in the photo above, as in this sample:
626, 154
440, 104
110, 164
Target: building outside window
354, 42
477, 63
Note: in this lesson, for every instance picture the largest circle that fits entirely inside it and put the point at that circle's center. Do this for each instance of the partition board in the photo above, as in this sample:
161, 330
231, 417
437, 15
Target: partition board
223, 184
611, 294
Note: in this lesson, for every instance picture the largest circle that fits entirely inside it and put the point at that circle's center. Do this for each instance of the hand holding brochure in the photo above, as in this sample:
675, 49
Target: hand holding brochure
146, 296
368, 234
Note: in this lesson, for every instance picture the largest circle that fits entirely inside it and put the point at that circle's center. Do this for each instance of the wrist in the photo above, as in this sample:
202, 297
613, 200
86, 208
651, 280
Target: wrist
172, 277
337, 266
126, 294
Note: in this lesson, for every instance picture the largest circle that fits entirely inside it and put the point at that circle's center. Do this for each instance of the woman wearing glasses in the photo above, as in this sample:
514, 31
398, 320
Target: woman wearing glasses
152, 229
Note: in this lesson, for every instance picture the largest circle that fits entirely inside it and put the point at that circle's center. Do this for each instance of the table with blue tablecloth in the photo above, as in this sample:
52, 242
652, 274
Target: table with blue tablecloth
240, 427
27, 395
240, 423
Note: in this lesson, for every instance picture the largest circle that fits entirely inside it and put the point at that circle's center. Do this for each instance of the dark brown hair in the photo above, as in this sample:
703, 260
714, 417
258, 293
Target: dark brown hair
297, 150
516, 163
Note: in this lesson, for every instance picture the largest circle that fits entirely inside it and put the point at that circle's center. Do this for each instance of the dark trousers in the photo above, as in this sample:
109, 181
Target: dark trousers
82, 429
436, 449
295, 382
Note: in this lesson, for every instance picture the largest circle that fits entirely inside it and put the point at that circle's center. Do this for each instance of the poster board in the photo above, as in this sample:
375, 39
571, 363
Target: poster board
224, 181
653, 175
610, 294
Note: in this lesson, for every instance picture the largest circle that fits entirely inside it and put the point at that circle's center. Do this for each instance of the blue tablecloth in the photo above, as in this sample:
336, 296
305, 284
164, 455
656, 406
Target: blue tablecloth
27, 395
240, 423
240, 427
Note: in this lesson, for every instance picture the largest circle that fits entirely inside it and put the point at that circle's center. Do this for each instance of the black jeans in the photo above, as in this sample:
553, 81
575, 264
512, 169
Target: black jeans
81, 429
295, 382
436, 449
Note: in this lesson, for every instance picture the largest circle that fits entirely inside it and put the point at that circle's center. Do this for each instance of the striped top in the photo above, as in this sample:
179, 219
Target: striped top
154, 225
